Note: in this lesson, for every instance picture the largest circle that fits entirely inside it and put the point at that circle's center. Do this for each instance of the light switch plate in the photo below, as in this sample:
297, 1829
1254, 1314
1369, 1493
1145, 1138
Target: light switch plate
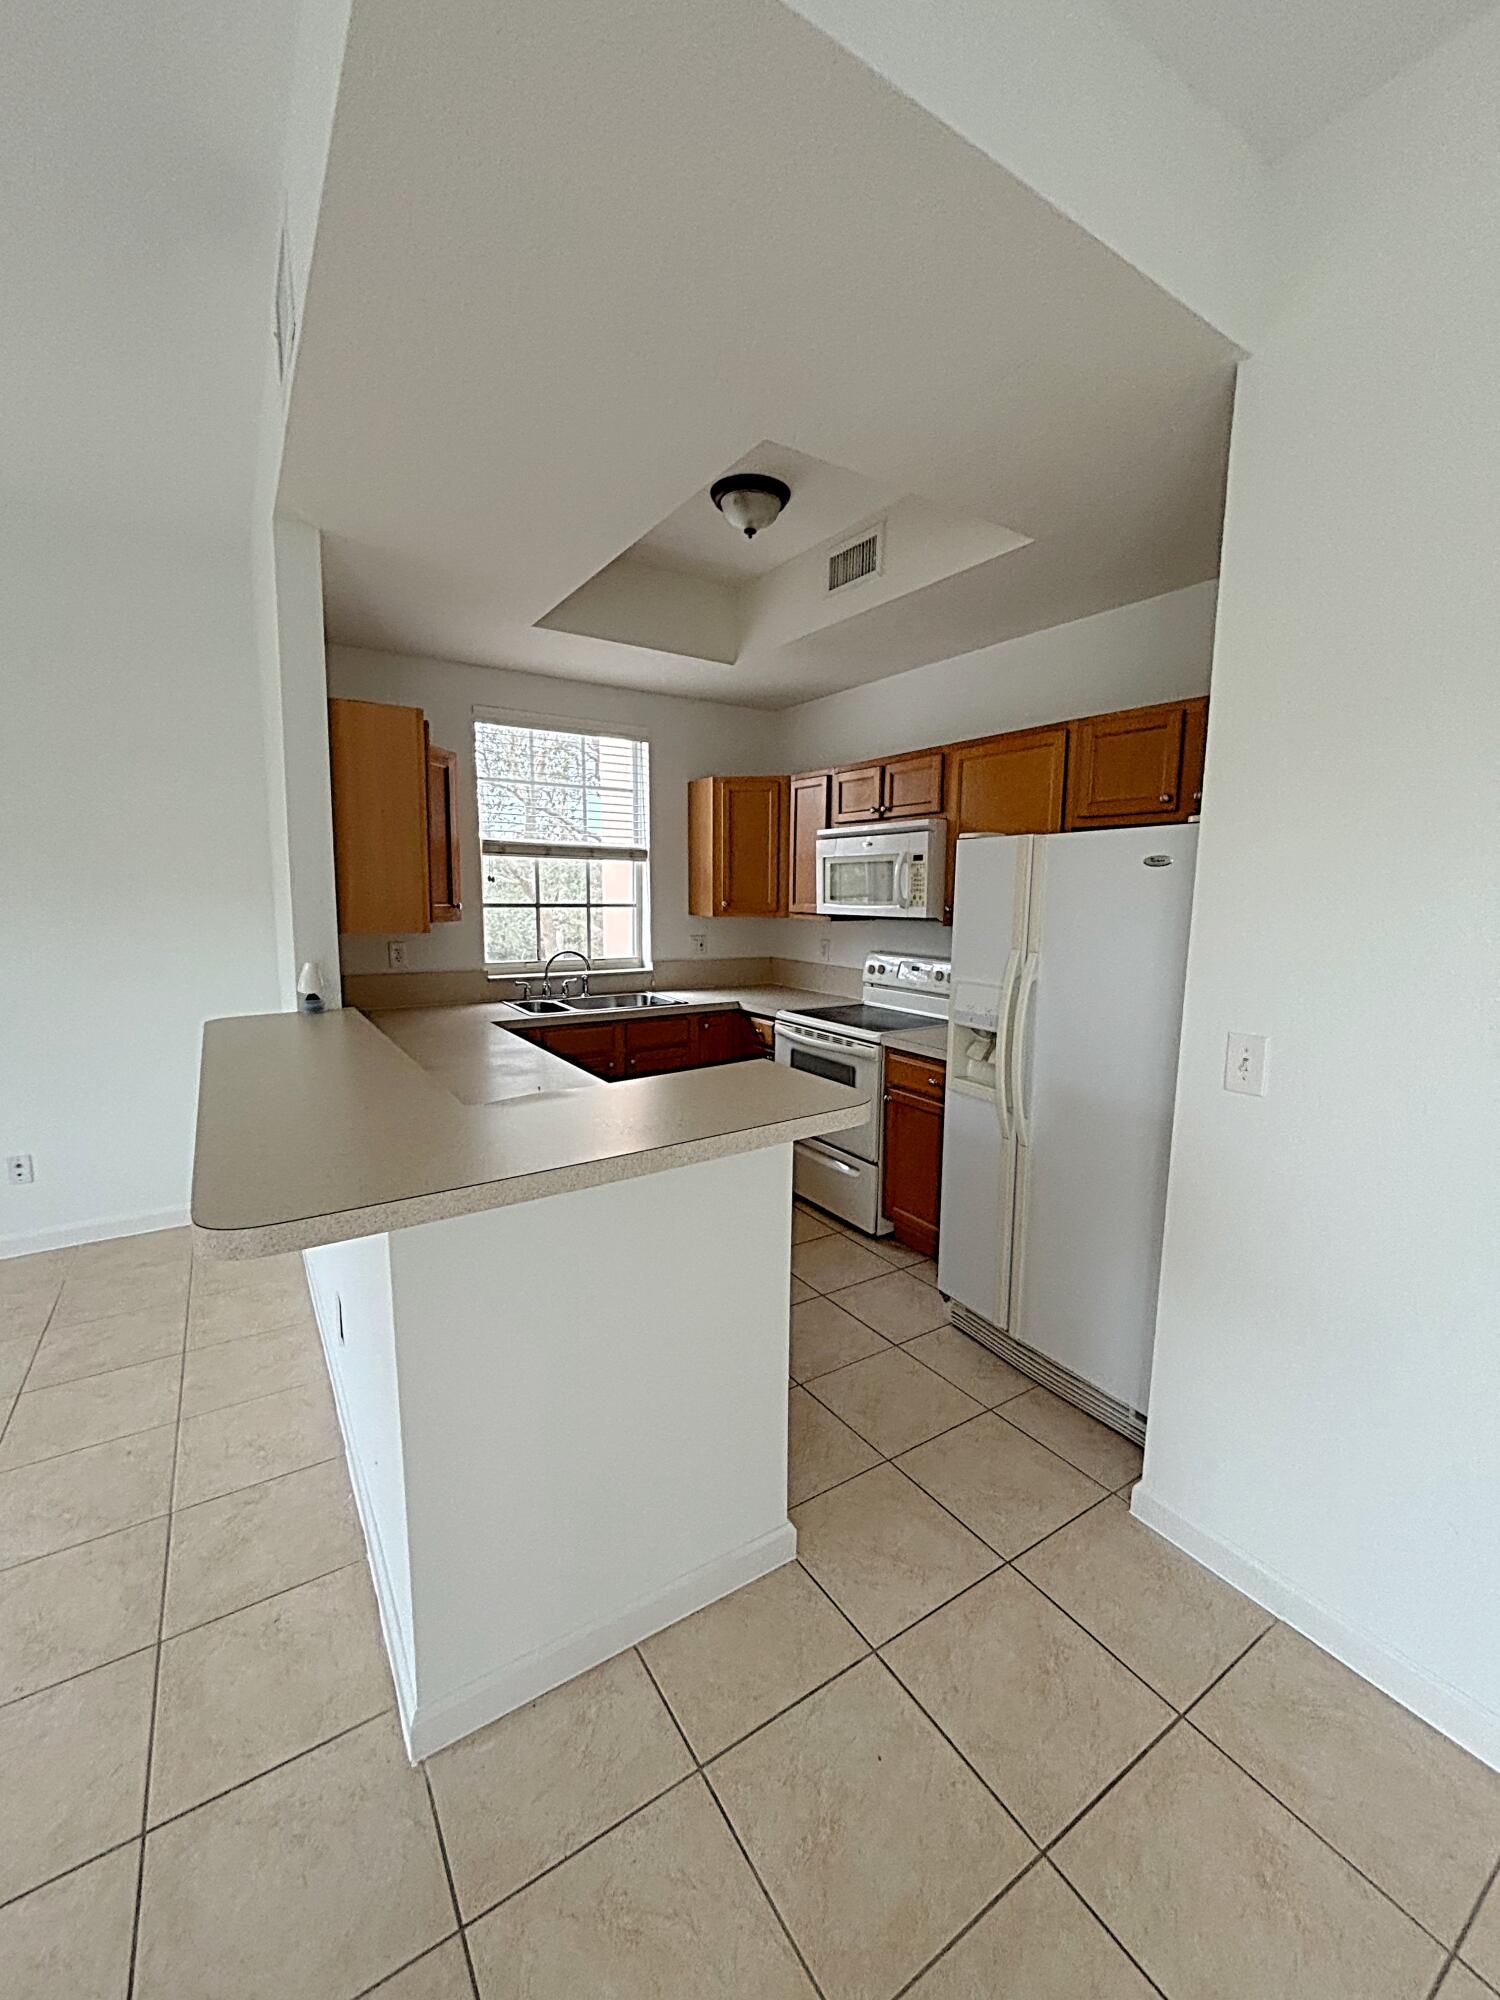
1246, 1060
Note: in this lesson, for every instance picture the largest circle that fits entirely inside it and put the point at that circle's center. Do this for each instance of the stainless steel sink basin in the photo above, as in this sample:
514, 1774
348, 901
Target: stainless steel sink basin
537, 1007
622, 1001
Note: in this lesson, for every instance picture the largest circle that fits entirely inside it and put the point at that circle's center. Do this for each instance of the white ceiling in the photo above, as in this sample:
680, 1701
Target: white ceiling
826, 501
1279, 70
575, 262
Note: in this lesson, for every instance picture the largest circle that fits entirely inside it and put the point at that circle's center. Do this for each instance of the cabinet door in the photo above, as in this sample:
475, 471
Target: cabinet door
750, 846
913, 786
1194, 742
596, 1048
809, 816
726, 1037
377, 759
1126, 769
442, 836
858, 793
669, 1042
913, 1173
1006, 784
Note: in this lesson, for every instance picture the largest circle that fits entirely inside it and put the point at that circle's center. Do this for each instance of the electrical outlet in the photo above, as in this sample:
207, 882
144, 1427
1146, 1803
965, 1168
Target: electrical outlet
699, 941
1246, 1059
395, 954
19, 1170
825, 949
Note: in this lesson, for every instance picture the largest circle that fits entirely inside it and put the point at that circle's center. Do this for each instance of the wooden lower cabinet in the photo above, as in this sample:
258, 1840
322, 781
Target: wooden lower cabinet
600, 1049
616, 1049
728, 1036
913, 1172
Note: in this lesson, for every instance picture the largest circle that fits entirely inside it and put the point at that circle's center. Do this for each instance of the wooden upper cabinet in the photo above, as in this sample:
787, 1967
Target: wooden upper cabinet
737, 846
857, 793
898, 788
444, 899
1194, 742
913, 786
809, 815
1127, 769
377, 756
1006, 784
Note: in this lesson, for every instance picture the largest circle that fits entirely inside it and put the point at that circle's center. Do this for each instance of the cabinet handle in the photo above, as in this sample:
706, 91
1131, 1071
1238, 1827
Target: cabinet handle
1165, 799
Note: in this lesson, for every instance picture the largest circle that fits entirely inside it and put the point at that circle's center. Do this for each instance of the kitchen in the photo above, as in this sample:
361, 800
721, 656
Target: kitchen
942, 1055
514, 1545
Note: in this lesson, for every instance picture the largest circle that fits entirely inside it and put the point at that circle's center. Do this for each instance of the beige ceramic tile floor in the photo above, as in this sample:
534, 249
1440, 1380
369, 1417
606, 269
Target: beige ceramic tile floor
987, 1739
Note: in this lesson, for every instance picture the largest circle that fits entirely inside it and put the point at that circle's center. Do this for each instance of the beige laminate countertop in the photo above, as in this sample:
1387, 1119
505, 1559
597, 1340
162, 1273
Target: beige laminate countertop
932, 1043
317, 1128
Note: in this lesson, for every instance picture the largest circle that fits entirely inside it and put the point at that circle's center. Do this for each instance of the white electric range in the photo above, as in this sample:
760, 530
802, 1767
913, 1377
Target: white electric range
845, 1042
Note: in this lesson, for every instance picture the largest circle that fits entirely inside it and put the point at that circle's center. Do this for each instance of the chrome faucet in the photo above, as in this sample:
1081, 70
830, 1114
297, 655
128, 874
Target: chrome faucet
568, 951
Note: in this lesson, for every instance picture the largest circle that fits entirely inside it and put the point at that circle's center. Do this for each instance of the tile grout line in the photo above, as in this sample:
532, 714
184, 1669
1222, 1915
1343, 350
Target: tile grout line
145, 1521
458, 1915
427, 1951
161, 1617
73, 1867
281, 1764
1463, 1938
785, 1928
270, 1597
1307, 1826
582, 1847
118, 1437
31, 1363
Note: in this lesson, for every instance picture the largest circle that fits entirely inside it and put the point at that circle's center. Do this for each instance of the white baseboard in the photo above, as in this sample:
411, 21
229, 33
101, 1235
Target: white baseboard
434, 1725
91, 1232
1446, 1707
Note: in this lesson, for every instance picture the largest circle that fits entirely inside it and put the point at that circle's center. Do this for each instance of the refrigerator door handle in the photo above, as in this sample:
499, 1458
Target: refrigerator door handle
1002, 1046
1024, 1004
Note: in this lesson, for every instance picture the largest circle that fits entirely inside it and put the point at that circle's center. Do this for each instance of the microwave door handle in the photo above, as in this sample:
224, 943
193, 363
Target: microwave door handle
903, 882
1002, 1046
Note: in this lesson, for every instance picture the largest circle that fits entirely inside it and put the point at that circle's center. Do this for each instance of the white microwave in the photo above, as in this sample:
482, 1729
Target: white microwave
886, 869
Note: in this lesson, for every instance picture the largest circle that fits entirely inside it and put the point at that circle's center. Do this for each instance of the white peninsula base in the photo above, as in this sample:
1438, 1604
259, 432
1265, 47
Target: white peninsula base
565, 1422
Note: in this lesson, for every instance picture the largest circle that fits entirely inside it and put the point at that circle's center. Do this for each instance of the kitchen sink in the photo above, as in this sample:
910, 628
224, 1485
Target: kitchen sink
537, 1007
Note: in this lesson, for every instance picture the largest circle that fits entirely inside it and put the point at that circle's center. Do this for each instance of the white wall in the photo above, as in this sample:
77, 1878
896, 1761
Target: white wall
1158, 650
300, 747
1323, 1411
136, 893
688, 739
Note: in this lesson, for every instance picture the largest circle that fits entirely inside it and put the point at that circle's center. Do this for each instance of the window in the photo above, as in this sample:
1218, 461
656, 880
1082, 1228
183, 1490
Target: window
563, 819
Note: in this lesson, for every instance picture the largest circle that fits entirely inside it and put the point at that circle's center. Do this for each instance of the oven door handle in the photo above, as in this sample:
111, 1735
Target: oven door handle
830, 1160
821, 1045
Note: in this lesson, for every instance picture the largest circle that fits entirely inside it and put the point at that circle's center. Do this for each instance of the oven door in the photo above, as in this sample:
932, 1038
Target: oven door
854, 1064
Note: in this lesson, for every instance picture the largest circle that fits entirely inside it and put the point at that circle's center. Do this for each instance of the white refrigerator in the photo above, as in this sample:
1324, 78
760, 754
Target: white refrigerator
1069, 952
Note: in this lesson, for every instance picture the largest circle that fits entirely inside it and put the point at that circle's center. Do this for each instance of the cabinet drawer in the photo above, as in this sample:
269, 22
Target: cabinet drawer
658, 1045
763, 1031
592, 1048
921, 1076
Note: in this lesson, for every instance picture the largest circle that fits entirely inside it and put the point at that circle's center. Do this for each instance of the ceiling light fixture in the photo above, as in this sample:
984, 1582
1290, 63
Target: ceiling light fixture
750, 501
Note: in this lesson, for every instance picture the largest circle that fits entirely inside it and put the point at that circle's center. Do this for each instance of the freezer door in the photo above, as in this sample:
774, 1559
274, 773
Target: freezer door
979, 1152
1095, 1069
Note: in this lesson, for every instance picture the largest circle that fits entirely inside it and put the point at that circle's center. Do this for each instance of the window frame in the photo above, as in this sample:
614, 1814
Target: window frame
640, 859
